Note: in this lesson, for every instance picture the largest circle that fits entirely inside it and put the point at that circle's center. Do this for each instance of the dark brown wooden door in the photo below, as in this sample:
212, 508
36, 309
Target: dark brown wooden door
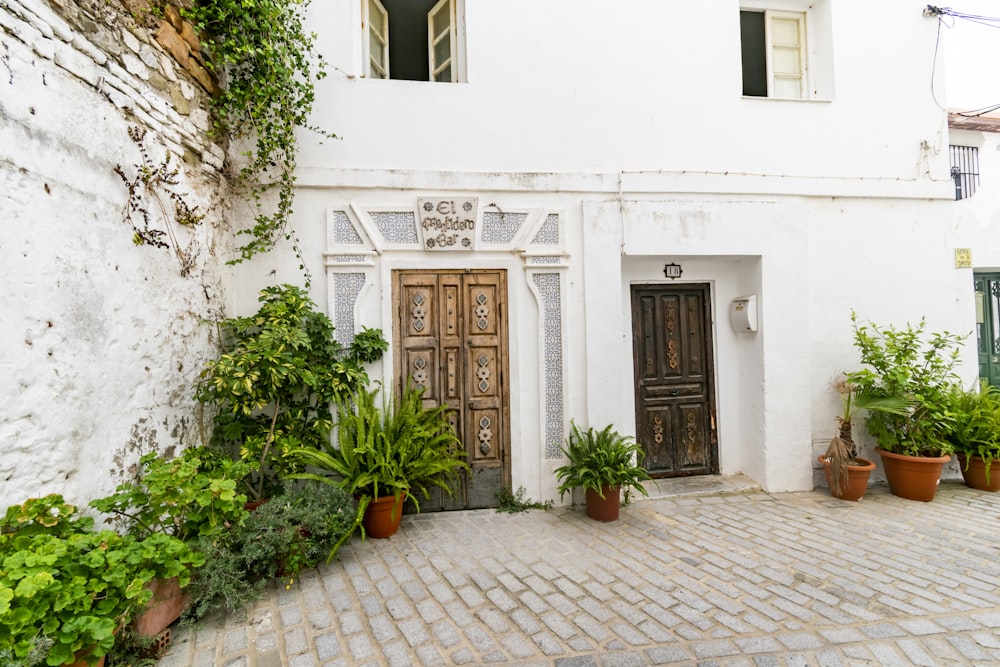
674, 378
451, 339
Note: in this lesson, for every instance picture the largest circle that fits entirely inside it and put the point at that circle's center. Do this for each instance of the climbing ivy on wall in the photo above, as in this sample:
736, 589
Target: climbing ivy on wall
268, 66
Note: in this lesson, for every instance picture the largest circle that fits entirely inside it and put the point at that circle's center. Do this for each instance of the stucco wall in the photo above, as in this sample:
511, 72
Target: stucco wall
101, 339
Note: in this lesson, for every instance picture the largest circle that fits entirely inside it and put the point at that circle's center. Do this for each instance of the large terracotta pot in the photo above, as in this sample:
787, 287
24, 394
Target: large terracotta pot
164, 608
975, 476
606, 508
913, 477
857, 478
382, 516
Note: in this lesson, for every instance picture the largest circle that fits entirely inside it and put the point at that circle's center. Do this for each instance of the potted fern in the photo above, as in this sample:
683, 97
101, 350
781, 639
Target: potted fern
385, 454
602, 462
976, 435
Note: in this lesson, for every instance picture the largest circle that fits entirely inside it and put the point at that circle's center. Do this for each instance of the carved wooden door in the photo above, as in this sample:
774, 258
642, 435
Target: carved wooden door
674, 377
451, 339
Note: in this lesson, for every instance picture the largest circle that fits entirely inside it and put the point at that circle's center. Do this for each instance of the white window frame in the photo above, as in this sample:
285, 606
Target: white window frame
770, 45
373, 68
432, 40
456, 34
817, 49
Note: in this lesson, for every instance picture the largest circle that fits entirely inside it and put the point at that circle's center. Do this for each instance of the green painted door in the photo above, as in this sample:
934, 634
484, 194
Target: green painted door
988, 326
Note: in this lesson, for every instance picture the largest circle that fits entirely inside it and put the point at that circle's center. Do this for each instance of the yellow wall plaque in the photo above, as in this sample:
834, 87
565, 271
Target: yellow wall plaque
963, 258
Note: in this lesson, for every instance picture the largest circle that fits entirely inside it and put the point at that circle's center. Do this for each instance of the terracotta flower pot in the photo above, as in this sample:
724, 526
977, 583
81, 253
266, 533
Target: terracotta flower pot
975, 476
913, 477
606, 508
165, 607
857, 478
382, 516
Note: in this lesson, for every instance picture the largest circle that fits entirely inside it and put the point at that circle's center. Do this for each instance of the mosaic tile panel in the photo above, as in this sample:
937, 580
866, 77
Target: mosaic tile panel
396, 226
548, 285
348, 258
544, 260
346, 288
548, 233
500, 228
343, 231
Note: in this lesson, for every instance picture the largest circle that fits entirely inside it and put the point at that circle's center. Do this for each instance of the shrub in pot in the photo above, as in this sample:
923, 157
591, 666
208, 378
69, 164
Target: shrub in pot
272, 388
975, 435
68, 587
919, 366
601, 462
388, 450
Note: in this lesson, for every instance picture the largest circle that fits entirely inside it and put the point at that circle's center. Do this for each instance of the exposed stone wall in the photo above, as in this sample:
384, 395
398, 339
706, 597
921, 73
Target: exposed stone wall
101, 340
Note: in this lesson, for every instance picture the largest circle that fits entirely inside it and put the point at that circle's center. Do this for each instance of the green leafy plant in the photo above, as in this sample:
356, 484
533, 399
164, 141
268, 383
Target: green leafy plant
394, 448
69, 587
599, 459
272, 387
914, 364
269, 66
513, 503
193, 495
285, 535
976, 430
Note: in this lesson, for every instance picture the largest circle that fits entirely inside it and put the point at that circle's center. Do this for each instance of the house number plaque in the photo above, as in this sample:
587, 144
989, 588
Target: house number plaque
448, 223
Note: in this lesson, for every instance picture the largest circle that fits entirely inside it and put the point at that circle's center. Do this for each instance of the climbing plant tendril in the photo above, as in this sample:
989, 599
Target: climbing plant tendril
269, 67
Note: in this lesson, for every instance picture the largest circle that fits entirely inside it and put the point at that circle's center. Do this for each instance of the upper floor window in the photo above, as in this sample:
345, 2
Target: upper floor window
775, 58
964, 170
417, 40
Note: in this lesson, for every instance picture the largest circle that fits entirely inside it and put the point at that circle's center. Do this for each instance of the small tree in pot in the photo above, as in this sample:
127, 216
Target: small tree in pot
847, 473
602, 462
920, 366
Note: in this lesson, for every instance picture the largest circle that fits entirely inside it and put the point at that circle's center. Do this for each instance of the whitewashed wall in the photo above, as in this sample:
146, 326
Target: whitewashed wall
101, 340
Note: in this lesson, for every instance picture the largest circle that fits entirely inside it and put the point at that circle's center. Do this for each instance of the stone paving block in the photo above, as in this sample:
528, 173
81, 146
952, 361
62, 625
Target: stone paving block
526, 621
304, 660
327, 646
800, 641
622, 659
360, 647
920, 627
428, 656
713, 649
234, 640
295, 641
916, 654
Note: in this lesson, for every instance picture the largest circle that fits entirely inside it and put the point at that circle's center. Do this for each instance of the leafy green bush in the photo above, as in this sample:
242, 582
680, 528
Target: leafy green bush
918, 366
598, 459
283, 536
273, 386
193, 495
65, 585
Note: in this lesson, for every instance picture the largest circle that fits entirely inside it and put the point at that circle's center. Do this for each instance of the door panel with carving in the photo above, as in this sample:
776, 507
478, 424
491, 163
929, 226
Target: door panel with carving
451, 339
674, 376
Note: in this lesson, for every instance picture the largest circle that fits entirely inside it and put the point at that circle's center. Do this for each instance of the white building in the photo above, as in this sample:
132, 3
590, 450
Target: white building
606, 212
653, 214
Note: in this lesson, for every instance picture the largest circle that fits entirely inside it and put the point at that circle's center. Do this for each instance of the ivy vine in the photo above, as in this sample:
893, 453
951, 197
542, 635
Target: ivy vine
269, 65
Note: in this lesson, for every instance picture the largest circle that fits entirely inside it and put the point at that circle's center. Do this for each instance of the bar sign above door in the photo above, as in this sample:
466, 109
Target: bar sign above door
448, 223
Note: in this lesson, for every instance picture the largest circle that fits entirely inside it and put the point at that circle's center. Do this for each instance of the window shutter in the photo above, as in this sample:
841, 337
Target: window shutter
441, 41
786, 41
377, 20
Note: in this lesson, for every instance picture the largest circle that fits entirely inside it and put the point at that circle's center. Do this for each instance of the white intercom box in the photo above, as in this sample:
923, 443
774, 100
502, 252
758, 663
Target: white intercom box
743, 313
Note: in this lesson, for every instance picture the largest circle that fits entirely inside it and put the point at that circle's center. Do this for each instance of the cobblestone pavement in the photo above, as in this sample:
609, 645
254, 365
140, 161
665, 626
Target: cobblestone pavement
740, 579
